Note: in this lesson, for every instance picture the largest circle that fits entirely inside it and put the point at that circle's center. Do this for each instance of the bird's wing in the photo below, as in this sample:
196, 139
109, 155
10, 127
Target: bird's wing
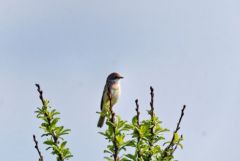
102, 98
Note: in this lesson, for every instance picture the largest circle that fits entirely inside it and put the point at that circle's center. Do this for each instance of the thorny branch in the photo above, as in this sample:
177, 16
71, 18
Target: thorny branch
55, 138
138, 113
171, 144
152, 107
138, 126
37, 148
180, 119
152, 120
40, 93
151, 102
174, 149
112, 119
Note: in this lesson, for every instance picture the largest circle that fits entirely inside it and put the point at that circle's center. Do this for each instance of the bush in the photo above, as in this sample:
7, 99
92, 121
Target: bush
146, 137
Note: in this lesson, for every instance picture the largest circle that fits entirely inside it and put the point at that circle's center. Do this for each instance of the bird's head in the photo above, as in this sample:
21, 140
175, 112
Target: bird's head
114, 77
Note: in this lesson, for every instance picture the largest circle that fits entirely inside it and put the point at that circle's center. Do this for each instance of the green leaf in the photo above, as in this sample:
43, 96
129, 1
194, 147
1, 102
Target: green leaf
176, 138
107, 151
120, 139
63, 144
130, 156
108, 159
49, 142
54, 121
134, 120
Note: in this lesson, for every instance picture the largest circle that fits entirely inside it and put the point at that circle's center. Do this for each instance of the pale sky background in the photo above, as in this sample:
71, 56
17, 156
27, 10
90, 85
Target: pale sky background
187, 50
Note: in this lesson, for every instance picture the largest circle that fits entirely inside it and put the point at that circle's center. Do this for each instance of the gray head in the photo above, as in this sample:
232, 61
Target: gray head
114, 77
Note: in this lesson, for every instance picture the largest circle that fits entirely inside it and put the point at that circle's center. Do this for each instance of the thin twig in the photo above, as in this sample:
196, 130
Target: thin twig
46, 115
180, 119
171, 144
55, 138
152, 107
138, 126
151, 102
152, 121
178, 142
37, 148
40, 93
112, 119
138, 113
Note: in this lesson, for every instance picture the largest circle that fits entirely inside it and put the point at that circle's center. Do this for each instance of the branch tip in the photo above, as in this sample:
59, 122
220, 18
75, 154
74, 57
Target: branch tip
37, 148
40, 93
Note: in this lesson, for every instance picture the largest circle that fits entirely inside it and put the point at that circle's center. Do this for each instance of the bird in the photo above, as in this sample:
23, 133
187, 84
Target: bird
113, 86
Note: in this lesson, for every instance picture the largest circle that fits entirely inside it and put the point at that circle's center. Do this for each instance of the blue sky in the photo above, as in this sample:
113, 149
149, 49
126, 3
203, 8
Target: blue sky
187, 50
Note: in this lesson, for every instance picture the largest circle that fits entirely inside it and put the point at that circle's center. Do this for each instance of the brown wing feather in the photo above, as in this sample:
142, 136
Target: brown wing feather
102, 98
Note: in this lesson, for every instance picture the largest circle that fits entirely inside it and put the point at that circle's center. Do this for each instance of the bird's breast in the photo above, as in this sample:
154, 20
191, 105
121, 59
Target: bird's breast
115, 92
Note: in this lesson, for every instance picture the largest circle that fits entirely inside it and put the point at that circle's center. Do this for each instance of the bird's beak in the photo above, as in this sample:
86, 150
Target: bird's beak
121, 77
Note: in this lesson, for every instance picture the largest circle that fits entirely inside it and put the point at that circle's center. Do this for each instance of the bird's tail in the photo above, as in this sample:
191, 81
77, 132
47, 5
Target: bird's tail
101, 121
